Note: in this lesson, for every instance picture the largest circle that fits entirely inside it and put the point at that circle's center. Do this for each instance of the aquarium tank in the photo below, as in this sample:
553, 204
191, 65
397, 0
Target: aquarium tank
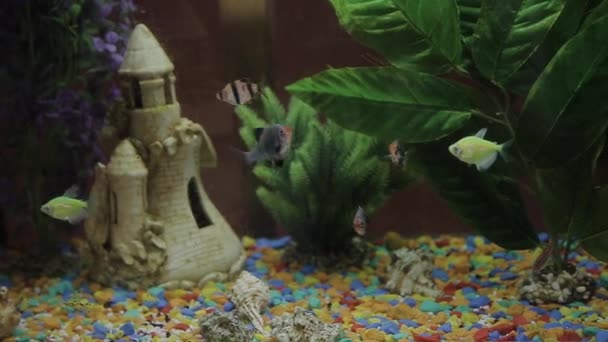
324, 170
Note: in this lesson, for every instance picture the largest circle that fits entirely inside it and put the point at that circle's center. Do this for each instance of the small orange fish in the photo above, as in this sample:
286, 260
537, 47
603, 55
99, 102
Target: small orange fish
396, 153
360, 222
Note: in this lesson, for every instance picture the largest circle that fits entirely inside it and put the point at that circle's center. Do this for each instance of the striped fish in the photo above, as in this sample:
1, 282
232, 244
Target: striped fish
542, 260
238, 92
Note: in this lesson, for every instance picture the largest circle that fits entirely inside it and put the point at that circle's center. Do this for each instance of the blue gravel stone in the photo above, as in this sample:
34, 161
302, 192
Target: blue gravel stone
475, 326
394, 302
262, 243
446, 327
26, 314
438, 273
276, 283
556, 315
411, 302
493, 335
157, 291
602, 336
100, 330
508, 276
322, 286
572, 326
286, 291
356, 284
390, 328
522, 338
188, 312
467, 290
149, 304
128, 329
289, 298
161, 303
552, 325
373, 325
543, 237
499, 314
409, 323
308, 269
489, 283
479, 301
281, 242
228, 306
495, 271
538, 310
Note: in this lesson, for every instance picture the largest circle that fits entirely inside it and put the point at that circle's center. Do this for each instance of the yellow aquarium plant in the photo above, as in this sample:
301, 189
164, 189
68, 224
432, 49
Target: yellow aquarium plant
328, 173
467, 80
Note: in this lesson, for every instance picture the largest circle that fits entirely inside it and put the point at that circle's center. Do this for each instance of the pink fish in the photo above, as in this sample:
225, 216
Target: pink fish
360, 222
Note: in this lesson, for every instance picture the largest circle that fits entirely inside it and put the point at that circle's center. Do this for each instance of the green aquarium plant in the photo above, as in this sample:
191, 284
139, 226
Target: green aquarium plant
531, 72
329, 172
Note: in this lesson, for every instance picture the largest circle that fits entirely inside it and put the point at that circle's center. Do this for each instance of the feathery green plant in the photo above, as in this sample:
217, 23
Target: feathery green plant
329, 172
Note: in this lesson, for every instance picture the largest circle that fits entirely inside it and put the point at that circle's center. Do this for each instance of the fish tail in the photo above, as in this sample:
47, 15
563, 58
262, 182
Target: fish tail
503, 149
249, 157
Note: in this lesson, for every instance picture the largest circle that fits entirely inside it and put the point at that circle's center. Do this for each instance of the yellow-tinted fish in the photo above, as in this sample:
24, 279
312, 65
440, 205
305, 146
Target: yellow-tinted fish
66, 207
238, 92
478, 151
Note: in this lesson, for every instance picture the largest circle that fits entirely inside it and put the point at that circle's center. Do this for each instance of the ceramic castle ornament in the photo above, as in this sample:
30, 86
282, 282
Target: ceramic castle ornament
150, 220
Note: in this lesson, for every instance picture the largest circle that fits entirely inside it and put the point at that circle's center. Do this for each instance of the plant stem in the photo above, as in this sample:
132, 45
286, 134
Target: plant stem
487, 117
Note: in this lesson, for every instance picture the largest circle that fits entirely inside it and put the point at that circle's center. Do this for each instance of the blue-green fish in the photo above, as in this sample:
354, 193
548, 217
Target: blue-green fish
478, 151
67, 207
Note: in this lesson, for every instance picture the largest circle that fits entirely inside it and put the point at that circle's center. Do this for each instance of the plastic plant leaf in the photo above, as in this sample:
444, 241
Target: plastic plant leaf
470, 11
563, 29
387, 102
411, 34
565, 192
567, 108
596, 238
508, 32
597, 13
486, 202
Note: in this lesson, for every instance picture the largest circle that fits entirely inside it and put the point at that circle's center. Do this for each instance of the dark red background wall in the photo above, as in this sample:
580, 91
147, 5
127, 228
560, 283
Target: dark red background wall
213, 41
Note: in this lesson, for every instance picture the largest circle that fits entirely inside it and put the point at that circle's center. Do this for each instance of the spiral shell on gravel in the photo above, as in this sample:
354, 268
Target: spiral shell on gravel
251, 295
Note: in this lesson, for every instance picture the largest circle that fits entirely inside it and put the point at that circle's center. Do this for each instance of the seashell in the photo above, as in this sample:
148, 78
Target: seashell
250, 296
9, 316
410, 273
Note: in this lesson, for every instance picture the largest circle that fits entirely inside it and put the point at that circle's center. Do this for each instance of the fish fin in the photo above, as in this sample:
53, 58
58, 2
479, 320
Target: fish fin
486, 163
72, 191
258, 133
481, 133
503, 149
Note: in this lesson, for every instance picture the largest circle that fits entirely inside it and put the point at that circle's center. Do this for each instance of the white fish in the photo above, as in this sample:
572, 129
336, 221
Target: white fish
360, 222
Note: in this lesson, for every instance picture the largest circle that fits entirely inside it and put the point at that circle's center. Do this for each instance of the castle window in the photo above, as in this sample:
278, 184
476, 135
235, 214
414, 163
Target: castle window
114, 208
136, 93
168, 93
196, 205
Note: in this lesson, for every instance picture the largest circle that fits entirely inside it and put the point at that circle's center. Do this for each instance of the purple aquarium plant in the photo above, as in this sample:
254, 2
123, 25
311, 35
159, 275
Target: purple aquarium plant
57, 84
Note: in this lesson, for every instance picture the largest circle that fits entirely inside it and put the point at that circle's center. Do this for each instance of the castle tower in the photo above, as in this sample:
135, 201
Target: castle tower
148, 86
185, 238
127, 183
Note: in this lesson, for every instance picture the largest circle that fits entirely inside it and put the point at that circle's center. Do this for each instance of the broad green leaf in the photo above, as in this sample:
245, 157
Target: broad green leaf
487, 203
563, 29
419, 35
601, 10
567, 107
595, 241
469, 11
508, 32
387, 102
565, 192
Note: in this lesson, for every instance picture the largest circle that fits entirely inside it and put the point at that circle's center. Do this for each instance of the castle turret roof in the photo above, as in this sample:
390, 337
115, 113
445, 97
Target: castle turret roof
145, 57
126, 161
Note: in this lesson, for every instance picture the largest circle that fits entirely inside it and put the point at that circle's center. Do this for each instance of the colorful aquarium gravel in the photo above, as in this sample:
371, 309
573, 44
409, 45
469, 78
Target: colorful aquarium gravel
479, 302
